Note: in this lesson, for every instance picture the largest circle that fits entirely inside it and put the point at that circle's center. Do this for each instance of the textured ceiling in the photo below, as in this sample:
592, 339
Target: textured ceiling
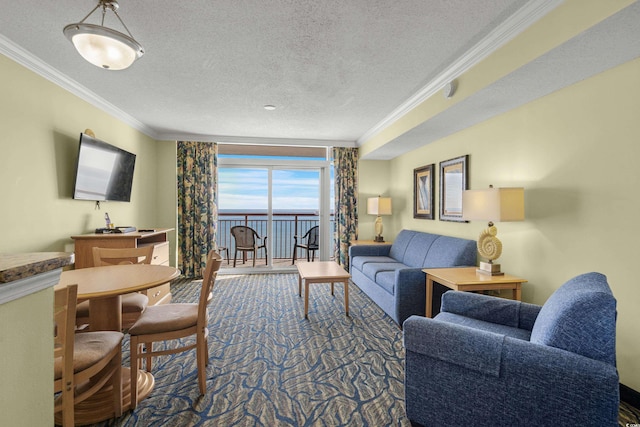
335, 70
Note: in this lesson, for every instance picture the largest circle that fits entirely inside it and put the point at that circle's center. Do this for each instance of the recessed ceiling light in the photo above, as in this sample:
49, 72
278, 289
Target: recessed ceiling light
269, 107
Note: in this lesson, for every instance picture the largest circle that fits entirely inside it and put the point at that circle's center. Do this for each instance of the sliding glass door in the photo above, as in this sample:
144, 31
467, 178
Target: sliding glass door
279, 200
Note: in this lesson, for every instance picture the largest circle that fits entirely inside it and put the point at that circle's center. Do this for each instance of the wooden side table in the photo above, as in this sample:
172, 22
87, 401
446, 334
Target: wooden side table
368, 242
468, 279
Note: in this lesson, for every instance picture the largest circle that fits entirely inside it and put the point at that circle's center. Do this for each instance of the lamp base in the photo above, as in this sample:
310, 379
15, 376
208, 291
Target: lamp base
490, 269
378, 239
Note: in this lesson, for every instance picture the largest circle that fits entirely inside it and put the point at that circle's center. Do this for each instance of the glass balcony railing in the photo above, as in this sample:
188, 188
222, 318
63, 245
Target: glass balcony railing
285, 226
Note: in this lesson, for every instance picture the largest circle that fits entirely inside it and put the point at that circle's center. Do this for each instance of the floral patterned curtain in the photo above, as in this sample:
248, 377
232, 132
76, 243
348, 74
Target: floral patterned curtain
345, 165
197, 164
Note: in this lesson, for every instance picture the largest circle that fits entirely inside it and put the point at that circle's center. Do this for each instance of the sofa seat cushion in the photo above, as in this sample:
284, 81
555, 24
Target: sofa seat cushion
496, 328
387, 281
359, 261
372, 269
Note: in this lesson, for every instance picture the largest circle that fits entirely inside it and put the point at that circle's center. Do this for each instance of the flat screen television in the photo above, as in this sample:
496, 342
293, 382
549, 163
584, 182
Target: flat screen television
103, 172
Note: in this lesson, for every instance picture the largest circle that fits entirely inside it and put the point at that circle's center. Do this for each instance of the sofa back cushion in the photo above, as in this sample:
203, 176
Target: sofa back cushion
400, 244
425, 250
451, 252
580, 317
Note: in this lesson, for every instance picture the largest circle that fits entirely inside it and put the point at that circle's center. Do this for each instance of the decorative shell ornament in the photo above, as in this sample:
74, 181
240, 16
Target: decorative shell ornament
488, 244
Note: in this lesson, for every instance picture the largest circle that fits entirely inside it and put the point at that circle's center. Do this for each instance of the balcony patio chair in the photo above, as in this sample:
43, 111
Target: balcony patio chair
174, 321
311, 245
246, 240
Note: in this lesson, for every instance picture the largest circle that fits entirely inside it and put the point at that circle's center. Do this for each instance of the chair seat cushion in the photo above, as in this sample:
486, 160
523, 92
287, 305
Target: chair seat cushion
164, 318
131, 303
89, 348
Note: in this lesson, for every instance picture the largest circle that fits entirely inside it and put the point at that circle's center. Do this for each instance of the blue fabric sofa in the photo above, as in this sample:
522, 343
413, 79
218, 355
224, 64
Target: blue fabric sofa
391, 275
487, 361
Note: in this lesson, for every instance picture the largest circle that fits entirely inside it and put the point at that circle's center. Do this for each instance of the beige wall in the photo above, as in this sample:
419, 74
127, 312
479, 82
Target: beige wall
39, 129
575, 152
40, 126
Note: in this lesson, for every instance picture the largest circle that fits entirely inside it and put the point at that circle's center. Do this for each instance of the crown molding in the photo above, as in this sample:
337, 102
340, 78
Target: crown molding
256, 140
510, 28
31, 62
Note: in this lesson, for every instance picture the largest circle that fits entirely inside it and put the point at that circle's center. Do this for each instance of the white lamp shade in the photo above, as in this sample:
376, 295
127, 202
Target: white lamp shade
379, 206
104, 47
493, 204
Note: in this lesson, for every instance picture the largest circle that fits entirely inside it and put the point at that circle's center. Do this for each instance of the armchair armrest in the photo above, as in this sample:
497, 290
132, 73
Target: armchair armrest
463, 346
502, 311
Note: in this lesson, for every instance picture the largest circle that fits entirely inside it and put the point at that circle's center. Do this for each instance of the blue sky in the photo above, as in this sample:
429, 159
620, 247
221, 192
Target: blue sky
240, 189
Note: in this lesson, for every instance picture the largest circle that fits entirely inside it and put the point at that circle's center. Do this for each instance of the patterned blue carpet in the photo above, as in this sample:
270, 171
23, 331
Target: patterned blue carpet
271, 367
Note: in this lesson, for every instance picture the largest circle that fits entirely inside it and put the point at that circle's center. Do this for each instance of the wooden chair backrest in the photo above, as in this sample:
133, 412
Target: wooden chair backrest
214, 261
114, 256
64, 311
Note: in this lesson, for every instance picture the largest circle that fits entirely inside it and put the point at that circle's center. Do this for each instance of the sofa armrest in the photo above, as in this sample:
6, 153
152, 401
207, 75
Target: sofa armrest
369, 250
410, 292
502, 311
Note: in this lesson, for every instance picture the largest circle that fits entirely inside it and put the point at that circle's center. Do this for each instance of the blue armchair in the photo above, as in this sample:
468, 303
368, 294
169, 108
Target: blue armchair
486, 361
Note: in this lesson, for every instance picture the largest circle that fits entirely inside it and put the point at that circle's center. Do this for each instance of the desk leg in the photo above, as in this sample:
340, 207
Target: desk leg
299, 285
517, 292
429, 289
332, 288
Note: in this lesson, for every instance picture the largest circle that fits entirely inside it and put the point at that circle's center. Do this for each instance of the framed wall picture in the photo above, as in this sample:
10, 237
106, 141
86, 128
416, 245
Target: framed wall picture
423, 183
453, 181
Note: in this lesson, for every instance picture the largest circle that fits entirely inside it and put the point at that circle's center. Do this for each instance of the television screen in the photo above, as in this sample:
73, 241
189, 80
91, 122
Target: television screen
104, 172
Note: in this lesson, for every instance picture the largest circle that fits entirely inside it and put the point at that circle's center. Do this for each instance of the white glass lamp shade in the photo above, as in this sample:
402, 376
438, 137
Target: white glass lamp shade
104, 47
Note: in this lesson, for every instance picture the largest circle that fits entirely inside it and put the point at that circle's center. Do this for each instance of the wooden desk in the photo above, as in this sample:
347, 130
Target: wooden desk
103, 287
467, 279
322, 272
158, 238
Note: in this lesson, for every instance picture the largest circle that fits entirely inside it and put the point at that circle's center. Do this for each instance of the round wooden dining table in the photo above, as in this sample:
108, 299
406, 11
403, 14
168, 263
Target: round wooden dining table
104, 287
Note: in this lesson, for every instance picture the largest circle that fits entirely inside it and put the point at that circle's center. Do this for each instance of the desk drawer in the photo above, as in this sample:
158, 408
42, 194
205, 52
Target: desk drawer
159, 295
161, 253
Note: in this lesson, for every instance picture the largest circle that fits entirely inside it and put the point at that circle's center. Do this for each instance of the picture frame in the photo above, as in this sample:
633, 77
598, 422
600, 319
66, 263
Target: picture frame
423, 194
453, 181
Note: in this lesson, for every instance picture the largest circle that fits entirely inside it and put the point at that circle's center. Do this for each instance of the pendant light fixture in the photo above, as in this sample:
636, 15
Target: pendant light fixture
102, 46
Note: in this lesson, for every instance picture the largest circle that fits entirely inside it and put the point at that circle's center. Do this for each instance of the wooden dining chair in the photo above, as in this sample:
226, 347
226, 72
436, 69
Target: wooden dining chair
84, 363
132, 304
172, 322
308, 242
246, 239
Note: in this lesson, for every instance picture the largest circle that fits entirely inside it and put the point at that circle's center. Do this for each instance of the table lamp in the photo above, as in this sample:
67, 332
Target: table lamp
492, 204
379, 206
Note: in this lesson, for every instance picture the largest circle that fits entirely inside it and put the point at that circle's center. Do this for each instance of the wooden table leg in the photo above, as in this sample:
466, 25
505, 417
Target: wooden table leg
428, 311
517, 292
346, 296
306, 299
105, 314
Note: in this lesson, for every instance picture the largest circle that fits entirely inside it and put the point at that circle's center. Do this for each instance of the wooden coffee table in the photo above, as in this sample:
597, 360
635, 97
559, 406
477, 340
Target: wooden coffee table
322, 272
